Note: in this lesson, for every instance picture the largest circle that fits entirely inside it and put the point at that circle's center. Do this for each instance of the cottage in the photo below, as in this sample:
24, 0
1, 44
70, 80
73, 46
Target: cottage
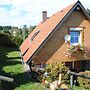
62, 37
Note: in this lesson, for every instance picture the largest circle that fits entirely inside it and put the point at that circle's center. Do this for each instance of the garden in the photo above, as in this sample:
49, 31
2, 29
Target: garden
11, 66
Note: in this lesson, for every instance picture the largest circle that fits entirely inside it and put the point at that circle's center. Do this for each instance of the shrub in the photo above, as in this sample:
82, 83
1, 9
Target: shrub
6, 40
84, 82
16, 40
9, 40
53, 70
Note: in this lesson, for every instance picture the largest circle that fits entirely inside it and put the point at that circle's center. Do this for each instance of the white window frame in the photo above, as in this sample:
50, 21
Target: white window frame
80, 37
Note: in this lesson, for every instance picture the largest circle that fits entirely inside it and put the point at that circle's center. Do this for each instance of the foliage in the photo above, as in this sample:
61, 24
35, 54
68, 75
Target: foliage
17, 40
11, 66
6, 27
31, 28
9, 38
24, 32
14, 34
1, 28
6, 32
31, 86
54, 69
84, 82
73, 49
6, 40
78, 88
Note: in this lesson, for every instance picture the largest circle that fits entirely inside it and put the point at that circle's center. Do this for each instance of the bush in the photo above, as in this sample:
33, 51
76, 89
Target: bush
9, 40
84, 82
53, 70
6, 40
16, 40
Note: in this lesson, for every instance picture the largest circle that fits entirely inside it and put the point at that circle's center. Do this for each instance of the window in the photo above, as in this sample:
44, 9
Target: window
35, 34
76, 36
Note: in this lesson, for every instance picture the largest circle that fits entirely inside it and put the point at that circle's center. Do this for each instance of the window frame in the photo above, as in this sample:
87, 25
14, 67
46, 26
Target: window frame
80, 36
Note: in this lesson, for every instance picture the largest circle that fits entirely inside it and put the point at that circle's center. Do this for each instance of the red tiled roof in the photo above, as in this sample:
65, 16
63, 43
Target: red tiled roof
28, 47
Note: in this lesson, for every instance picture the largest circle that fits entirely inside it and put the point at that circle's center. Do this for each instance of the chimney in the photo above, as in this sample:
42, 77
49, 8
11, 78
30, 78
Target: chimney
44, 16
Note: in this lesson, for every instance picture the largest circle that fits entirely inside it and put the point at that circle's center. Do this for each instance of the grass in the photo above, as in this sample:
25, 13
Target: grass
10, 66
31, 86
79, 88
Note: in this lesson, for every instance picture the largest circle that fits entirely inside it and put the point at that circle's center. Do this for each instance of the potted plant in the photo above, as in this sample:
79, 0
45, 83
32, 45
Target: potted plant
74, 49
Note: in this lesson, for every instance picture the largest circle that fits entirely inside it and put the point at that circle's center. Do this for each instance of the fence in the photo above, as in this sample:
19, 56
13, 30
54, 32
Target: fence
76, 74
5, 79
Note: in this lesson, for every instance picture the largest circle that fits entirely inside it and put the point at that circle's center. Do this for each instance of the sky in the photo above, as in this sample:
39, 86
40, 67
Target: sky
29, 12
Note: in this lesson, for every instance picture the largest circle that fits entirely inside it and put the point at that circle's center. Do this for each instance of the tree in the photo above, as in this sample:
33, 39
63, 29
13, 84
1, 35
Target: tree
31, 28
1, 28
24, 32
7, 27
16, 35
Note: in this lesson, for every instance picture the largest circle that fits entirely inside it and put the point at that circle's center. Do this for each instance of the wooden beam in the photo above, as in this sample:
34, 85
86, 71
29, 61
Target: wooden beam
6, 78
79, 75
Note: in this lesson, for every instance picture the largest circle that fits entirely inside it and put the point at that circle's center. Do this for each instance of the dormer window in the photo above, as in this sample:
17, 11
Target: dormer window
76, 36
34, 35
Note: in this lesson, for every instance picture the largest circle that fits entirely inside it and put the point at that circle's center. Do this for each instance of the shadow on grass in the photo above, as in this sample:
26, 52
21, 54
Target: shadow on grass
4, 60
19, 78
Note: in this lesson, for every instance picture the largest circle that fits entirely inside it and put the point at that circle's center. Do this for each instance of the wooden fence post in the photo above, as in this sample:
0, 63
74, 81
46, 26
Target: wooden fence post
71, 82
76, 74
5, 79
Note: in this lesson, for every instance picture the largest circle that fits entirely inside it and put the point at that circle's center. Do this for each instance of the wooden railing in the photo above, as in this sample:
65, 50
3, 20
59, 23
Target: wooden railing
76, 74
5, 79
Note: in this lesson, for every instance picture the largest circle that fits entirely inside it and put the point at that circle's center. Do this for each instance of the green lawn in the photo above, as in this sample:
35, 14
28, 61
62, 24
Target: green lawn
10, 65
78, 88
31, 86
